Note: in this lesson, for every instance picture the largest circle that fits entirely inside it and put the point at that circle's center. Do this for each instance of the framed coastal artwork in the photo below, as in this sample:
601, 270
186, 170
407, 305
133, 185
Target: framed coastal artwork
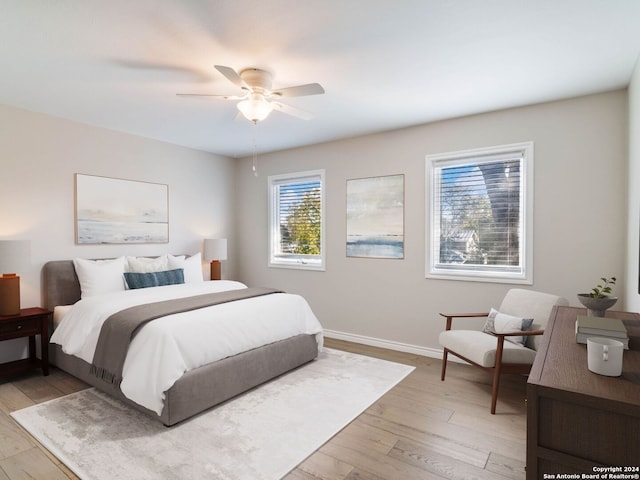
116, 211
375, 217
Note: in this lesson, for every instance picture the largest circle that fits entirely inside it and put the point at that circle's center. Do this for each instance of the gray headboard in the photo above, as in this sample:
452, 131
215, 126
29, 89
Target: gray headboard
60, 283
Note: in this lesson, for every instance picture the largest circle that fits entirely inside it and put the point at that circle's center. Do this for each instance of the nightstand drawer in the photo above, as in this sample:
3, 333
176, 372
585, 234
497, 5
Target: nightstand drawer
20, 327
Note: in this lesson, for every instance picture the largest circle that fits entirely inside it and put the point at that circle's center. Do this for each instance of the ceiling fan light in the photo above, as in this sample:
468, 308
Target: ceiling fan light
255, 108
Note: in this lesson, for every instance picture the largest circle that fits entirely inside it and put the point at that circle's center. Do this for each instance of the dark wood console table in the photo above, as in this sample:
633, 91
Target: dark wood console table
578, 420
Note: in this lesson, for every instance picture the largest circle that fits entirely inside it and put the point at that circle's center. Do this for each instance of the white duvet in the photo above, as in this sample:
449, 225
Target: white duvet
164, 349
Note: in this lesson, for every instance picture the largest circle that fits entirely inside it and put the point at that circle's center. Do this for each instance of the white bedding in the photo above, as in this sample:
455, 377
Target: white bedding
164, 349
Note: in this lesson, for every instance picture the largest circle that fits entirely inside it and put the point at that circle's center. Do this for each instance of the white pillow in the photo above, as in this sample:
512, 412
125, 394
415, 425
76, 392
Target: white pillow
147, 265
503, 323
100, 276
192, 267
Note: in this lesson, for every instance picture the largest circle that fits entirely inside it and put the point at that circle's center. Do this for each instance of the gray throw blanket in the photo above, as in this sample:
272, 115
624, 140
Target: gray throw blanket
118, 330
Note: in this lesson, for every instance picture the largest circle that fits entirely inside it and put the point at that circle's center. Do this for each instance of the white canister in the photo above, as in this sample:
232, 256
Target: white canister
604, 356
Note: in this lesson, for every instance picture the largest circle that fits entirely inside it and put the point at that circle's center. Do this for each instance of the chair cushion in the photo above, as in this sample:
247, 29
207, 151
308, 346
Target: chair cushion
480, 348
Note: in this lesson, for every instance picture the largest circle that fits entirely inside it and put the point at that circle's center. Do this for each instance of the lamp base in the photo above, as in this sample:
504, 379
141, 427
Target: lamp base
9, 294
216, 270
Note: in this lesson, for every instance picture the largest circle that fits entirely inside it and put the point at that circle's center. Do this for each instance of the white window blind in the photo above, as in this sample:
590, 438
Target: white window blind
296, 220
480, 214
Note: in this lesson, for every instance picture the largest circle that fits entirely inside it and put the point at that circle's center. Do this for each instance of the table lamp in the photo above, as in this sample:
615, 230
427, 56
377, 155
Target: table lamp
215, 249
14, 256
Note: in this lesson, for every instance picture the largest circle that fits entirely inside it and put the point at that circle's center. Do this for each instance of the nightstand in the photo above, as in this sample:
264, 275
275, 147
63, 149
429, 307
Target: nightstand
28, 323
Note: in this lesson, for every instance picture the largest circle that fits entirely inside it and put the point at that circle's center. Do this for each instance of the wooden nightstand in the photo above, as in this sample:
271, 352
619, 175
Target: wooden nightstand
28, 323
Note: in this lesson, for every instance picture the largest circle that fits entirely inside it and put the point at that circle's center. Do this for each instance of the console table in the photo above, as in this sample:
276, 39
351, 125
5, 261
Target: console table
576, 419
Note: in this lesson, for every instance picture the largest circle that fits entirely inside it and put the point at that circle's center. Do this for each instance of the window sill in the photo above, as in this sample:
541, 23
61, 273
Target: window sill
480, 277
297, 266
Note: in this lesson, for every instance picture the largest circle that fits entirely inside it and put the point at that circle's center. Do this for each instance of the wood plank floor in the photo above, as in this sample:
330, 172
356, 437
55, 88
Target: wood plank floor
421, 429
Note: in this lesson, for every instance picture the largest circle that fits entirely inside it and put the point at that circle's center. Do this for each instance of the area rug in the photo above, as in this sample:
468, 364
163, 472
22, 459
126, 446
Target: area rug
262, 434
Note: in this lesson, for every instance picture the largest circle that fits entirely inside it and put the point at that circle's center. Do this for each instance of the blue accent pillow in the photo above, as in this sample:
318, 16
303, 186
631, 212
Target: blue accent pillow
154, 279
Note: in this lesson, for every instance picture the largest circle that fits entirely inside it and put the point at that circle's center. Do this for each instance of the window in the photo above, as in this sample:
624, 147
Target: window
296, 219
481, 214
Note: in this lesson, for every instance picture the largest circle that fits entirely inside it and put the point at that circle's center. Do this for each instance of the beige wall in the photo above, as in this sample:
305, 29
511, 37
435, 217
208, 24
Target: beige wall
39, 156
631, 292
580, 174
580, 217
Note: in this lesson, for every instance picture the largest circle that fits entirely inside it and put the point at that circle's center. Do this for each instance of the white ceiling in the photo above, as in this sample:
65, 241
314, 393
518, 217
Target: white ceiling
384, 64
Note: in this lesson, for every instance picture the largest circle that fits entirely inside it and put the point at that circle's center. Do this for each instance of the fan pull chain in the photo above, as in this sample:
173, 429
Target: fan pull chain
255, 151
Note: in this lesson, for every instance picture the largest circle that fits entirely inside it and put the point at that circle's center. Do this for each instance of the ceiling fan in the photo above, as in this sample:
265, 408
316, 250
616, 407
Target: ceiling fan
258, 99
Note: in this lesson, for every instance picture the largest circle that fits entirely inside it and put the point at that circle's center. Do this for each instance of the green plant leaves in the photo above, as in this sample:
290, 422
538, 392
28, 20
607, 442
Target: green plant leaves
604, 289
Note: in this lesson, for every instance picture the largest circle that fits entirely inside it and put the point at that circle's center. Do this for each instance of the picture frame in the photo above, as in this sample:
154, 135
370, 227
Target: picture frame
118, 211
375, 217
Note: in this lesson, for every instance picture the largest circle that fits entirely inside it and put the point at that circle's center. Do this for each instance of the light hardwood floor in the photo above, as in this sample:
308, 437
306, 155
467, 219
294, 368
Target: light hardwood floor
421, 429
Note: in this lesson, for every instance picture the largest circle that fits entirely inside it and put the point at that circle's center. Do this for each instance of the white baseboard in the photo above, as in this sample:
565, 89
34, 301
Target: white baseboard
389, 344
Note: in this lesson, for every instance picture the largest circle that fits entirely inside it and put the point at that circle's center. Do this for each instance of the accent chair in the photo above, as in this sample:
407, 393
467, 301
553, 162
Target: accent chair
508, 342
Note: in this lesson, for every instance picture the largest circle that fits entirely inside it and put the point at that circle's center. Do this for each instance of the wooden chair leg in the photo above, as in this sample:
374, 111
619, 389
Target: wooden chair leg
496, 374
494, 393
444, 363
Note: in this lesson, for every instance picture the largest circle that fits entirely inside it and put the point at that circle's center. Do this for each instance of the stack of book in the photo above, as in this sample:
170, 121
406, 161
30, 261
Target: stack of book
604, 327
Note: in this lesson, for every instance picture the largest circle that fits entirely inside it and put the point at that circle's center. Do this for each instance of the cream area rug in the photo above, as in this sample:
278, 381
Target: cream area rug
262, 434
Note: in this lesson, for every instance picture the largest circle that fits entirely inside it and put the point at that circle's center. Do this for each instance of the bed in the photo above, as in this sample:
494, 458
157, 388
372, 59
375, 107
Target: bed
202, 386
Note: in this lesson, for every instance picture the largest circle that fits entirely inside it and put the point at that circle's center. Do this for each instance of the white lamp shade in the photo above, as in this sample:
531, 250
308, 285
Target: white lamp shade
15, 255
255, 108
215, 249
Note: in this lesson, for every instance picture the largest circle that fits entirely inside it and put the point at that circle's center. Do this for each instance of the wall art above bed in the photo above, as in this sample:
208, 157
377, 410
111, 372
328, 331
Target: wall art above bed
113, 210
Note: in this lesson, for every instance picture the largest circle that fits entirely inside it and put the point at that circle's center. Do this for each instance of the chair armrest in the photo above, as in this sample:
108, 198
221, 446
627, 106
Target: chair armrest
532, 332
519, 333
451, 316
464, 315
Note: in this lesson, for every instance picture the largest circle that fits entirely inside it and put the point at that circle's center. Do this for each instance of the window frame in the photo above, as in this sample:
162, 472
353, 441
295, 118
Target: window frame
433, 268
294, 261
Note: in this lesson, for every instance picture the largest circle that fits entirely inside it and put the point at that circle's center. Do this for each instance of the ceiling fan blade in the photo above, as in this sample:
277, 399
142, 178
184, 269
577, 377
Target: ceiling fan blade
223, 97
293, 111
232, 76
162, 67
299, 91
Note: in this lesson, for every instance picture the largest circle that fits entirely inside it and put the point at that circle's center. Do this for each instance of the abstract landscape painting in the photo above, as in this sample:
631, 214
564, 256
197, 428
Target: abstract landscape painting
111, 210
375, 217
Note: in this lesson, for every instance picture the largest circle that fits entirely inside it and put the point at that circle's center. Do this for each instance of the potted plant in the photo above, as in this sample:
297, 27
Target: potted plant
598, 300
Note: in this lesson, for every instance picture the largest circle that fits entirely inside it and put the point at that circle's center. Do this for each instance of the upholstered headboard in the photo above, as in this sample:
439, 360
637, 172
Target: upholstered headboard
60, 284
